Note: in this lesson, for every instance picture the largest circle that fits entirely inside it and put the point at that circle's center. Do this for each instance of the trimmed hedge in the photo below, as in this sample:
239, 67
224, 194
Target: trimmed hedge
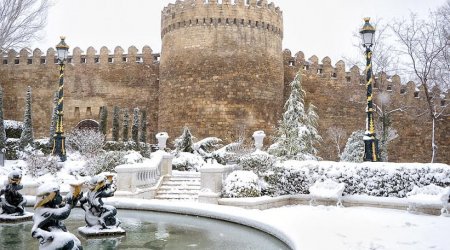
375, 179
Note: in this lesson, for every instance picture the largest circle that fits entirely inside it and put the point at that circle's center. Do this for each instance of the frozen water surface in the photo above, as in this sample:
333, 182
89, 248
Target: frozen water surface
153, 230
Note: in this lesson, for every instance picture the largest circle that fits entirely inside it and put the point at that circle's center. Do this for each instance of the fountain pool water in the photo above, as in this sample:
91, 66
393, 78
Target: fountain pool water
153, 230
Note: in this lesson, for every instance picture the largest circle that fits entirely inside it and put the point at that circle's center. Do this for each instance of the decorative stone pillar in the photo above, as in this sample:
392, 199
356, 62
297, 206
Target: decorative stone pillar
212, 177
166, 164
162, 139
259, 139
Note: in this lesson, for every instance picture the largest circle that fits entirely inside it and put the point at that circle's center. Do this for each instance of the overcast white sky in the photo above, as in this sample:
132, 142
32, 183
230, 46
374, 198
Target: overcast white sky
322, 28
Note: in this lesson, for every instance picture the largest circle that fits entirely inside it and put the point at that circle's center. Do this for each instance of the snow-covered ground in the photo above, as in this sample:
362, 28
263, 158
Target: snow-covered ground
324, 227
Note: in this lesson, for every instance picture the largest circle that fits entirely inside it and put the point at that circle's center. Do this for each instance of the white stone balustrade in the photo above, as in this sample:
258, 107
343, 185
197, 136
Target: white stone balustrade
142, 179
212, 177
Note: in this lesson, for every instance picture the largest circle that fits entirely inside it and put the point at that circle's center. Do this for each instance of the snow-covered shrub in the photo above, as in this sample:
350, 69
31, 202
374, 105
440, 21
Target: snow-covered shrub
185, 142
187, 162
354, 149
13, 129
206, 146
259, 162
44, 145
241, 184
88, 141
104, 162
144, 148
12, 149
384, 179
38, 164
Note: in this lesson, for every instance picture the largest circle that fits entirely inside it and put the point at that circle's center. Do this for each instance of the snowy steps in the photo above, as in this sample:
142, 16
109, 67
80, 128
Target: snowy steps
180, 187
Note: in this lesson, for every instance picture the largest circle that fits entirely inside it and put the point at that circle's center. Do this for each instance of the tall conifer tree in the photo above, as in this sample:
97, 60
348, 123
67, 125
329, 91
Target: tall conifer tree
2, 125
143, 135
116, 124
126, 120
27, 133
135, 126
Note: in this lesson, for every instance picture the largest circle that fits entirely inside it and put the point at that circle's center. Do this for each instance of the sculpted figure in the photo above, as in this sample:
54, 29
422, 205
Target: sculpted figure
50, 211
13, 202
97, 213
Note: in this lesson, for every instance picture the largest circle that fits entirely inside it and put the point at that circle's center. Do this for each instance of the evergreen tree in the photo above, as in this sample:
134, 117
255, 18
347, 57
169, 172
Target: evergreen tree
27, 133
312, 136
126, 120
115, 124
184, 143
135, 126
54, 118
354, 149
143, 135
294, 136
103, 120
2, 125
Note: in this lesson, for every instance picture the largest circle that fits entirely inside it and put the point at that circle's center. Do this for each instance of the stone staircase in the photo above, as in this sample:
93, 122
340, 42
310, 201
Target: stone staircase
180, 187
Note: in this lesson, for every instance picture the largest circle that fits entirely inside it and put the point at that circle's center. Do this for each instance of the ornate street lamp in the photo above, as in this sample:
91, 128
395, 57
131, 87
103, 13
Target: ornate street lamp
62, 50
370, 142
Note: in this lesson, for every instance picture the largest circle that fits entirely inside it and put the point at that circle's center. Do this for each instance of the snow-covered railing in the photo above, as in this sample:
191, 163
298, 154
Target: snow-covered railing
212, 178
138, 178
327, 189
429, 194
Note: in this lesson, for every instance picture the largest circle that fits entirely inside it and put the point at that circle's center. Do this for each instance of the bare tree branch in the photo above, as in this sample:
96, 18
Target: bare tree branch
21, 21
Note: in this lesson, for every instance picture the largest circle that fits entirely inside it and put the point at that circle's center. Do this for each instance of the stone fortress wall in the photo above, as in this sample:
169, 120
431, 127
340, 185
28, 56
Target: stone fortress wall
91, 80
222, 69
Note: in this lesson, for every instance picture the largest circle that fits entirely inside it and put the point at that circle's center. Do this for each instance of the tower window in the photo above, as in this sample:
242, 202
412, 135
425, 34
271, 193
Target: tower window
348, 79
389, 87
5, 61
88, 111
96, 59
16, 61
43, 61
416, 94
83, 60
30, 61
402, 91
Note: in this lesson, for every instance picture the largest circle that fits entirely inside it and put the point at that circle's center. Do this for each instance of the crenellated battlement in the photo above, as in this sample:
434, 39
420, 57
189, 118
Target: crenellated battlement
338, 75
257, 14
91, 56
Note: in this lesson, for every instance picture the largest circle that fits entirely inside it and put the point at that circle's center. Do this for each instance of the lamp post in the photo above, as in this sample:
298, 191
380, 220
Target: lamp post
370, 142
59, 149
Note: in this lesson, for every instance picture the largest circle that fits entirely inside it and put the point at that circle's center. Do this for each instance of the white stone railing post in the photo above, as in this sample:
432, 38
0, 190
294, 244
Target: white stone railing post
162, 139
166, 164
259, 139
211, 181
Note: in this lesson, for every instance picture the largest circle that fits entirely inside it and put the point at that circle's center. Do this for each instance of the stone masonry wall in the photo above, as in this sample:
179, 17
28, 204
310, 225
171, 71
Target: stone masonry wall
341, 101
91, 80
221, 68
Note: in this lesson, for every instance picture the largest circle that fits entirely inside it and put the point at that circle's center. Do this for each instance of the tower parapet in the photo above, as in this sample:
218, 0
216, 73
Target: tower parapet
255, 14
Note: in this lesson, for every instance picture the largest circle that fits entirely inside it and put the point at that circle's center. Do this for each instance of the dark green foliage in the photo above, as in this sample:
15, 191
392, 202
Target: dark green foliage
135, 126
12, 149
103, 120
11, 130
26, 138
143, 135
184, 143
126, 120
116, 124
2, 126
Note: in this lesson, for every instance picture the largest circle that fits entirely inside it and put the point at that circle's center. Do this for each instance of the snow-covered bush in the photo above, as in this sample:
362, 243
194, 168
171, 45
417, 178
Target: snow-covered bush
13, 129
104, 162
259, 162
185, 142
207, 146
241, 184
383, 179
144, 148
88, 141
38, 164
187, 162
354, 149
12, 149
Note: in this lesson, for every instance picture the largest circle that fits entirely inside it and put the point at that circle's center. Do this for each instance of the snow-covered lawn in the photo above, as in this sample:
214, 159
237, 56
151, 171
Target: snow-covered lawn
324, 227
358, 228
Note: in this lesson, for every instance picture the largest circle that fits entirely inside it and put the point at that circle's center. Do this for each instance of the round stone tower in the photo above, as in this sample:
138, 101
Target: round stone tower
221, 67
